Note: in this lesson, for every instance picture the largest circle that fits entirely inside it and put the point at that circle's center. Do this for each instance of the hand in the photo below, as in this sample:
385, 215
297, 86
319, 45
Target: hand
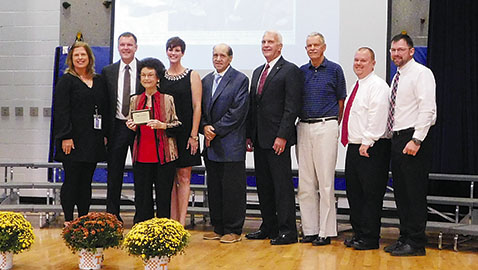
208, 143
156, 124
67, 146
249, 146
105, 140
279, 145
193, 145
209, 132
363, 150
131, 125
411, 148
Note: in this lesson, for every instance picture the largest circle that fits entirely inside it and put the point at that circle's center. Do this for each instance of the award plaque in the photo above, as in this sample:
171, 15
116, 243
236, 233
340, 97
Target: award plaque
141, 117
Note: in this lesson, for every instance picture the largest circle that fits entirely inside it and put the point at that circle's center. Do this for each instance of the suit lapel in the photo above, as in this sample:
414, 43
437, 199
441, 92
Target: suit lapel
222, 84
114, 83
272, 73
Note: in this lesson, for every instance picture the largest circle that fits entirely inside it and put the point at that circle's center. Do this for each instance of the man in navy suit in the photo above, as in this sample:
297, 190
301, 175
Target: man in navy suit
122, 80
225, 102
275, 98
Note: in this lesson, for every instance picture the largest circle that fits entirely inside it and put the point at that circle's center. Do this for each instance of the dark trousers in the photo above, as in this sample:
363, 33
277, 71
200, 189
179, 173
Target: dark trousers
117, 151
145, 176
226, 187
410, 182
366, 182
76, 188
276, 191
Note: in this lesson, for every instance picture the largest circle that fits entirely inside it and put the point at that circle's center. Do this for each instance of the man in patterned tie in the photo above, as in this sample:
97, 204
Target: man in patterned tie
317, 142
412, 113
368, 153
225, 99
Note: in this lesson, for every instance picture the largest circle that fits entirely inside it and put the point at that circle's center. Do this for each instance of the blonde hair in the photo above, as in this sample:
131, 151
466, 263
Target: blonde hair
90, 68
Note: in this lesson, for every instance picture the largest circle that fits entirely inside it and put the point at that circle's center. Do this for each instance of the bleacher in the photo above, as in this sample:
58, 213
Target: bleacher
449, 223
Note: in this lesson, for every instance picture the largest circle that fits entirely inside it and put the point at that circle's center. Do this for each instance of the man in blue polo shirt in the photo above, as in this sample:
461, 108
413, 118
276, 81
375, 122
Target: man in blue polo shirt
317, 141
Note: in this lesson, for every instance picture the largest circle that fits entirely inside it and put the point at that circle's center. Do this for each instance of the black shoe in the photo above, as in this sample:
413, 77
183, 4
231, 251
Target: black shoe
363, 245
257, 235
407, 250
351, 241
308, 238
284, 239
393, 246
321, 241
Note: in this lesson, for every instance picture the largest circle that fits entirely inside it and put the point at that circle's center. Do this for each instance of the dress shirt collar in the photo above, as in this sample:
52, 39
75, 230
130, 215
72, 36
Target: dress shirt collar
273, 62
132, 66
407, 66
222, 73
366, 78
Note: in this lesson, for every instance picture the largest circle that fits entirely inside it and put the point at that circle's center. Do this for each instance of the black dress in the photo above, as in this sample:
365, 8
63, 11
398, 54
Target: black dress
179, 86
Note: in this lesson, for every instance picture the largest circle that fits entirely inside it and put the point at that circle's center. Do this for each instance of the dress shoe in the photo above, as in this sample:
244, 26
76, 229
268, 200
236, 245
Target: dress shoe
351, 241
407, 250
230, 238
284, 239
393, 246
211, 236
364, 245
321, 241
257, 235
308, 238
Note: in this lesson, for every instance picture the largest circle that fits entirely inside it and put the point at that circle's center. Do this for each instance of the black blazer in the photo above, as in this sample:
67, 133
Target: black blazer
74, 105
110, 75
273, 113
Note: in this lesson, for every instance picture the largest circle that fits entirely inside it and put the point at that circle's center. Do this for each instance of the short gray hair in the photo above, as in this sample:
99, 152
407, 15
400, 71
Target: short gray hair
277, 34
317, 34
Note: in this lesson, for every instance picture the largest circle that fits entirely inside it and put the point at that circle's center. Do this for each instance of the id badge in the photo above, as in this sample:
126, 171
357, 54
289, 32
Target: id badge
97, 121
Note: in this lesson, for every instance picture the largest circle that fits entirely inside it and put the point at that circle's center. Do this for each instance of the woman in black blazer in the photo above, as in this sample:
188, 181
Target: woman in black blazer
80, 102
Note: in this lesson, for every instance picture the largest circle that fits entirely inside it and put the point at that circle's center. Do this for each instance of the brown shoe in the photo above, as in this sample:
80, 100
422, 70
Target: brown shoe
230, 238
211, 236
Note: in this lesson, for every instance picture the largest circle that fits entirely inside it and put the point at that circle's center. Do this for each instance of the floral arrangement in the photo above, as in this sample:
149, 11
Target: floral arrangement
16, 233
156, 237
92, 231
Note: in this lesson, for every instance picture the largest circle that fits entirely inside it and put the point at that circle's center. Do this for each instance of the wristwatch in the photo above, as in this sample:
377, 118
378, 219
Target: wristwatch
196, 138
416, 141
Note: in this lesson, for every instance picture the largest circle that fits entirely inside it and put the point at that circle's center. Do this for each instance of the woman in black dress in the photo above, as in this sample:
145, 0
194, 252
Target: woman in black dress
79, 106
185, 86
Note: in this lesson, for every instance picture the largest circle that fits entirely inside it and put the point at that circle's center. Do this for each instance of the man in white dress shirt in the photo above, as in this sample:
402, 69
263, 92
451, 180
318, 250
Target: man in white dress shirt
368, 153
412, 113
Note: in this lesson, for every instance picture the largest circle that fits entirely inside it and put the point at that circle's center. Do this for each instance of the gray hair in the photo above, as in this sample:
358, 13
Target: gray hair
317, 34
275, 33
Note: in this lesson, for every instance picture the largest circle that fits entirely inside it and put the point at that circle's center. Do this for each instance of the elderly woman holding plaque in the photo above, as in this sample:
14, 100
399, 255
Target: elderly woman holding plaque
153, 118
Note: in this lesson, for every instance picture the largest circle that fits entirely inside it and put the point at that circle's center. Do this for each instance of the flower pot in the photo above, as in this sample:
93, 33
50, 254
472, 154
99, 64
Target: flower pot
6, 260
157, 263
90, 260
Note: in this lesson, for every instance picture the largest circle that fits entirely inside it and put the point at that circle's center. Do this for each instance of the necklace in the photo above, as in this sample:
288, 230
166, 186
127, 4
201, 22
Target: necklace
177, 76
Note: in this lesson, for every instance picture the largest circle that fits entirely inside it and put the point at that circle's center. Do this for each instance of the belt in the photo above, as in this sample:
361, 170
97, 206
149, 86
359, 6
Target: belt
403, 131
317, 120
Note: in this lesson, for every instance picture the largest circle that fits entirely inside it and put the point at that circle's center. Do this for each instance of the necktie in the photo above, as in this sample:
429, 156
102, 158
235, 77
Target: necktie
262, 80
217, 78
345, 123
391, 109
126, 91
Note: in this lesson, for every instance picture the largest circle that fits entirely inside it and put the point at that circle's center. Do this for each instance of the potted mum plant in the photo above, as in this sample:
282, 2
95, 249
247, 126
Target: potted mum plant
156, 241
90, 234
16, 235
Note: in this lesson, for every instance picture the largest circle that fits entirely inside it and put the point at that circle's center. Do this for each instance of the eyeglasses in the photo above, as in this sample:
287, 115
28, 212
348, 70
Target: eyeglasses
399, 50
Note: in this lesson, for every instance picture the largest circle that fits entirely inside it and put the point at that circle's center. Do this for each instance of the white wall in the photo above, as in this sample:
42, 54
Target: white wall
29, 33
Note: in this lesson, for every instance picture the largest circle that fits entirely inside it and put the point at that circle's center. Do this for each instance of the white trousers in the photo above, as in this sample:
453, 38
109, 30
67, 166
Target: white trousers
317, 156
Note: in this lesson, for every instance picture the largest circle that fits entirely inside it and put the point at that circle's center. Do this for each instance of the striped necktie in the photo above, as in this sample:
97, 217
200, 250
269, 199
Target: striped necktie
391, 109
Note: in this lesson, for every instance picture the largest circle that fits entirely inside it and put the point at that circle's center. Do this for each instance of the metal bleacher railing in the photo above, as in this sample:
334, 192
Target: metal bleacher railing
450, 223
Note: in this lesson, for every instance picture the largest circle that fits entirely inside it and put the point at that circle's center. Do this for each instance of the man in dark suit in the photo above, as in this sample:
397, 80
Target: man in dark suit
274, 103
225, 102
122, 80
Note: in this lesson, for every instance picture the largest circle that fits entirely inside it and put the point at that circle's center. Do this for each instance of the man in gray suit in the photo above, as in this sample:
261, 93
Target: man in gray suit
223, 123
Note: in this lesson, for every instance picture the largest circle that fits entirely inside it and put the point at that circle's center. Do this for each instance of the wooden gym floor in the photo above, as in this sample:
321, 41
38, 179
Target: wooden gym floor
49, 252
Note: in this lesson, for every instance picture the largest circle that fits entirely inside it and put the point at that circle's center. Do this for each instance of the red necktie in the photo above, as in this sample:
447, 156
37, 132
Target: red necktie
262, 80
345, 123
